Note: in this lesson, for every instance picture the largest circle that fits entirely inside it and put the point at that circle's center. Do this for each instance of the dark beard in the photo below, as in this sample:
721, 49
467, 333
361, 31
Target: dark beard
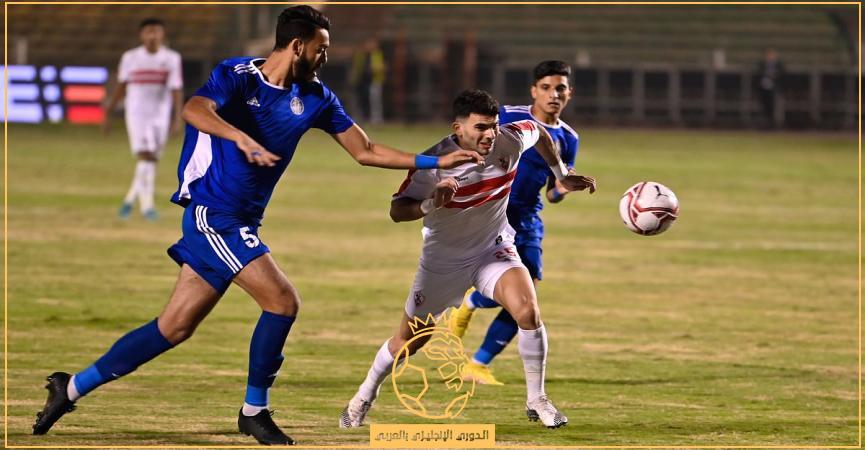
303, 69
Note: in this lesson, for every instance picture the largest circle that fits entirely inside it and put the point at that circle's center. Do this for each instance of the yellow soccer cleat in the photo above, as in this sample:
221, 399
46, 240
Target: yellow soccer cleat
458, 322
480, 374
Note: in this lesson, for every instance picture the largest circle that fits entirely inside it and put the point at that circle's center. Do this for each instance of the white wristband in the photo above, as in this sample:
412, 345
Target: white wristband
560, 170
427, 206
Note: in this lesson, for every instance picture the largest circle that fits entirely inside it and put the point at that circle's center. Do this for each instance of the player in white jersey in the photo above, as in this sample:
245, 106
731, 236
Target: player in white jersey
151, 80
468, 242
551, 92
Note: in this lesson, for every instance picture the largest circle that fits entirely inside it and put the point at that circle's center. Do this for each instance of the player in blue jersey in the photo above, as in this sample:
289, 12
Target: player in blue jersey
550, 92
244, 125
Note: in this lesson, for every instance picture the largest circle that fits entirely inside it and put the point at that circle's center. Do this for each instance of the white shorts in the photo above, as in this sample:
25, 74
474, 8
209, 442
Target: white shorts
433, 292
147, 135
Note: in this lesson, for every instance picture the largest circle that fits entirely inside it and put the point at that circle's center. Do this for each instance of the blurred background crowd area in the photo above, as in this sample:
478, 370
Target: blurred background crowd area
634, 65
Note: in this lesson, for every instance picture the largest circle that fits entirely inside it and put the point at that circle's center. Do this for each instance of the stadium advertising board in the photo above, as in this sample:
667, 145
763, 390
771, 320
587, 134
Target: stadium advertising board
55, 94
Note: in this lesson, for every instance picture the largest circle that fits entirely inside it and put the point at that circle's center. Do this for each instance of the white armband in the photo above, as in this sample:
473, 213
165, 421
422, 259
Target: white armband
560, 170
427, 206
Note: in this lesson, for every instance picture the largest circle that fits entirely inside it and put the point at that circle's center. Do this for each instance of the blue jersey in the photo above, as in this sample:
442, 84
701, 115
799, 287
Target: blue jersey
524, 203
214, 173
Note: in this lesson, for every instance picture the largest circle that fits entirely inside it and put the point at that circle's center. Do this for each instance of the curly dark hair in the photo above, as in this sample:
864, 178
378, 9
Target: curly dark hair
475, 101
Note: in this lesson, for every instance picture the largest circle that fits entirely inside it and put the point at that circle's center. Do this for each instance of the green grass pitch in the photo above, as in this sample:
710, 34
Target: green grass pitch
736, 327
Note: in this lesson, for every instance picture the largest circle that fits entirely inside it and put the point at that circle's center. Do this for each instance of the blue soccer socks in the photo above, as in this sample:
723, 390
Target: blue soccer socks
478, 300
500, 332
265, 356
127, 354
145, 343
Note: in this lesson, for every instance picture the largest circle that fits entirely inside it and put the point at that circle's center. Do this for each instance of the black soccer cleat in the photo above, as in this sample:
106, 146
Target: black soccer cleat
263, 429
57, 404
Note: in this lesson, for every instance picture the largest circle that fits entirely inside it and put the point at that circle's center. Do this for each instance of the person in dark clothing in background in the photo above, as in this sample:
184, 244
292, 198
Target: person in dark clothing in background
770, 72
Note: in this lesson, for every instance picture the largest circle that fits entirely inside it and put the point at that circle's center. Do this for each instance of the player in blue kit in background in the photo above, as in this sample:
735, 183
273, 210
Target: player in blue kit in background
551, 91
244, 125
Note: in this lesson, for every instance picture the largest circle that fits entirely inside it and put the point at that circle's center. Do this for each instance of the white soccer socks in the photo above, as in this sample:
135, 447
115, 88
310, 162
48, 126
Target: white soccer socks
380, 369
252, 410
143, 185
354, 414
135, 186
148, 184
72, 391
533, 351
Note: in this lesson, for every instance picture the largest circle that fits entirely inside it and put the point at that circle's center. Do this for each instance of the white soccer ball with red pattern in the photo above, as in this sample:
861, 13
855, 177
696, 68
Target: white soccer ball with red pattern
649, 208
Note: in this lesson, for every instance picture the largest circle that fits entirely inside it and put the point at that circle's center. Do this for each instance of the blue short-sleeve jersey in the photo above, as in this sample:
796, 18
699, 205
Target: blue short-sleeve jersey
214, 173
524, 203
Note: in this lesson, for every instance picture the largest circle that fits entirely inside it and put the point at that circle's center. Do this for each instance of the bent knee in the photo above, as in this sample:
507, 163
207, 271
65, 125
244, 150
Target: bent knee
285, 301
176, 333
416, 344
396, 345
148, 156
527, 316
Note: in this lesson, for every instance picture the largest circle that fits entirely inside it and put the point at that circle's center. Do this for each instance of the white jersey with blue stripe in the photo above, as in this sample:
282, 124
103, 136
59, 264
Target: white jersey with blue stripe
533, 172
214, 173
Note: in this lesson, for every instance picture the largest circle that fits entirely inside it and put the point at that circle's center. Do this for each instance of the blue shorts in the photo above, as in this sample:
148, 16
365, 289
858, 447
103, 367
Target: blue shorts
216, 245
530, 254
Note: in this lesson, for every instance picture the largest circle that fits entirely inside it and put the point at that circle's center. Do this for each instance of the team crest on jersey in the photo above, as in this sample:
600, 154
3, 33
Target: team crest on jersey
503, 162
296, 106
419, 298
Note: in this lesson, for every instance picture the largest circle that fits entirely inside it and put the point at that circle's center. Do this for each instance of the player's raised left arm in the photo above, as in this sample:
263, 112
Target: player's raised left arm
355, 141
547, 149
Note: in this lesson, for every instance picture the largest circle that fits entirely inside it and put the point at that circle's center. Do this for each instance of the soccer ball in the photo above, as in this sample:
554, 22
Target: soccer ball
649, 208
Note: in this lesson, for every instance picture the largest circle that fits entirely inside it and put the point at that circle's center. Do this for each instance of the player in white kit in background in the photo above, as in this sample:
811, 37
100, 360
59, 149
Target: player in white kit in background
468, 242
151, 80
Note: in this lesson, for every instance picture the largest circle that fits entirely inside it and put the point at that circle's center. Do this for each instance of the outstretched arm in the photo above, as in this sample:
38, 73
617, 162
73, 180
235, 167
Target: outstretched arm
405, 209
547, 149
200, 112
355, 141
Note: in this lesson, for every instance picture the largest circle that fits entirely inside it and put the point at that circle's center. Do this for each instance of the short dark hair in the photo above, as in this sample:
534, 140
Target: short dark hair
298, 22
150, 21
475, 101
551, 67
